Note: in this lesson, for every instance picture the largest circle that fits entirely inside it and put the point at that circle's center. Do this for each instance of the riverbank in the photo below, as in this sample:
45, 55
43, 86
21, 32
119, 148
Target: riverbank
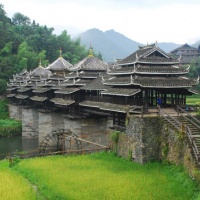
97, 176
8, 127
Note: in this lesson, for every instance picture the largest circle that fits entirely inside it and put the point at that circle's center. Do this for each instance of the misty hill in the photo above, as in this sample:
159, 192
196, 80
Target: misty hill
112, 44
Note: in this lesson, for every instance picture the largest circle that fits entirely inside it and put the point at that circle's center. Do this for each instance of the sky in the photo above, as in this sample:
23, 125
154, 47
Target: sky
144, 21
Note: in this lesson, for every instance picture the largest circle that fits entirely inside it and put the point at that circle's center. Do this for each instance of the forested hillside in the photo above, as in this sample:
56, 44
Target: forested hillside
24, 42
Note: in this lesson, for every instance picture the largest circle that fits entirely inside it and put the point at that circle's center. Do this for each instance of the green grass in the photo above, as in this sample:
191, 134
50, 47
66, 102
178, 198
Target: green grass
193, 100
104, 176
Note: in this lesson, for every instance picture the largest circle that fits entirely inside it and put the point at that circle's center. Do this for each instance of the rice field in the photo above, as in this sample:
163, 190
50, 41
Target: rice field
193, 100
14, 186
95, 176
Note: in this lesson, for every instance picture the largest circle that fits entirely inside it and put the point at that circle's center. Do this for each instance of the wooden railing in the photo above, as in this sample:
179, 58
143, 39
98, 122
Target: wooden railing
181, 112
182, 127
193, 144
173, 121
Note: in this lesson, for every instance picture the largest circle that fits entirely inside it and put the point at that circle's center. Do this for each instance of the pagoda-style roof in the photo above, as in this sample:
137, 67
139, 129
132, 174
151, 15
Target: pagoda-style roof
24, 89
194, 90
67, 90
121, 91
161, 69
152, 81
105, 106
11, 88
184, 47
41, 89
20, 96
148, 54
41, 72
10, 95
59, 65
63, 102
37, 98
90, 63
96, 84
165, 82
118, 70
55, 76
74, 82
148, 69
19, 79
71, 75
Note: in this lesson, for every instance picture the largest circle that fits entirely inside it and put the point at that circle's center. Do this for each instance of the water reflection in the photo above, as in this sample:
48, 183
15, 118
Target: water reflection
17, 146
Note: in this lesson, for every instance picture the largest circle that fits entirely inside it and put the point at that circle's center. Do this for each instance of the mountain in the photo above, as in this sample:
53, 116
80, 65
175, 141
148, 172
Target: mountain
196, 44
112, 44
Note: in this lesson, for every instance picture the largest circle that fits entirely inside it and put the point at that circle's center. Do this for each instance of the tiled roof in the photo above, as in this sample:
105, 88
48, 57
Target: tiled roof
194, 90
121, 70
160, 69
59, 65
118, 80
36, 98
121, 91
24, 89
152, 81
90, 63
60, 101
184, 47
89, 74
57, 77
41, 72
188, 59
142, 55
20, 96
96, 84
164, 82
105, 106
11, 88
67, 90
10, 95
41, 89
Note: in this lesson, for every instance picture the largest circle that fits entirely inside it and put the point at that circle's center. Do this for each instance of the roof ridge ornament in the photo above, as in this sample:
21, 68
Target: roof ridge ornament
156, 44
103, 80
136, 55
60, 52
90, 54
179, 59
40, 63
197, 79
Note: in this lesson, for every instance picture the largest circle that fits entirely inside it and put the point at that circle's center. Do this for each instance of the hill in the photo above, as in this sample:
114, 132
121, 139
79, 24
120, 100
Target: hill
112, 44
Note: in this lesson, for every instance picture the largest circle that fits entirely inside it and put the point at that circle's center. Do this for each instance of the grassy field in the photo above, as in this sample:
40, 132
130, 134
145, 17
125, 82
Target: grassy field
96, 176
193, 100
14, 186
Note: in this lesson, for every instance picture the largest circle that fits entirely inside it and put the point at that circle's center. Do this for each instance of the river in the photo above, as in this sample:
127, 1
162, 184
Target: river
17, 146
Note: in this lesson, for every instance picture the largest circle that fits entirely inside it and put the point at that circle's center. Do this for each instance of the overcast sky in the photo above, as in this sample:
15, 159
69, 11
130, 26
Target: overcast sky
140, 20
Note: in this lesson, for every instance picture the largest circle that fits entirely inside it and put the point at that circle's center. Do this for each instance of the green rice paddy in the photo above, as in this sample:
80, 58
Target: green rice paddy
95, 176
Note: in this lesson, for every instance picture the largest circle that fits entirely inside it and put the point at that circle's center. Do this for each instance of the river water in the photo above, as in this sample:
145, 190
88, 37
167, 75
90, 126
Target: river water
16, 146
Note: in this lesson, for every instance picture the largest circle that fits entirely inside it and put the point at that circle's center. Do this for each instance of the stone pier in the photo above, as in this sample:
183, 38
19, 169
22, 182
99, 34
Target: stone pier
29, 123
15, 112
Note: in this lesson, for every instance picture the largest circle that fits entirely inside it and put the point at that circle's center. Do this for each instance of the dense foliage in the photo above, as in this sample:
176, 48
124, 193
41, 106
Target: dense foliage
23, 43
102, 176
8, 127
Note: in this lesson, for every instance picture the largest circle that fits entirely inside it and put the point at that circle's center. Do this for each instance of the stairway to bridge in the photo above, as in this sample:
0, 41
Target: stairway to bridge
184, 121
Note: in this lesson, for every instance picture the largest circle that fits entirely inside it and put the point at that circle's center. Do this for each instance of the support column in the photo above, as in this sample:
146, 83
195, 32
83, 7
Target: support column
29, 123
49, 122
15, 112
